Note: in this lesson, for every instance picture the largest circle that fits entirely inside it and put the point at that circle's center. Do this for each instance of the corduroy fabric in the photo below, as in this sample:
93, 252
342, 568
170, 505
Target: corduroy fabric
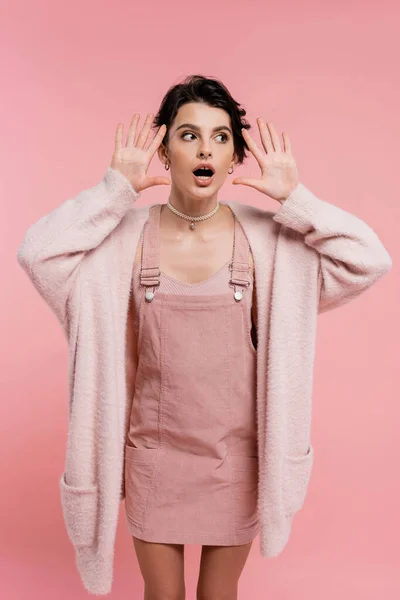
80, 257
191, 465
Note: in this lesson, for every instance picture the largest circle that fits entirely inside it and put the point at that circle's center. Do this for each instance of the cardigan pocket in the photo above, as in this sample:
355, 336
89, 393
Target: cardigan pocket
80, 512
295, 479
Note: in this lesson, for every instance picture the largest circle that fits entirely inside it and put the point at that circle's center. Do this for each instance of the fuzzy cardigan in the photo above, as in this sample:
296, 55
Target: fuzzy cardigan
80, 256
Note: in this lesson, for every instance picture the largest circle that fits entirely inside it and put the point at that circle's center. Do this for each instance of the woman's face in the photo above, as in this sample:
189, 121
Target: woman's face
199, 134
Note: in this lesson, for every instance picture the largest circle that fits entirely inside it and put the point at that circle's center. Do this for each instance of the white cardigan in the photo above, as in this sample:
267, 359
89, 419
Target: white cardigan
80, 258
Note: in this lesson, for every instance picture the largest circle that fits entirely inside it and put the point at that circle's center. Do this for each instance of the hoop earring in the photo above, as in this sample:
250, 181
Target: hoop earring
166, 166
230, 172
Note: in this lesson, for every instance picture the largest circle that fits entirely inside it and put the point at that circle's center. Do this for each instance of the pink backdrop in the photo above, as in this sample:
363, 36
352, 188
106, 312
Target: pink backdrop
327, 73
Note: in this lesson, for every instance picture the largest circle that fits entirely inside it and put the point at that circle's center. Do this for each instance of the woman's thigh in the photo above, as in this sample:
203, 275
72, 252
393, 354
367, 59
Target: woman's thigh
220, 570
162, 568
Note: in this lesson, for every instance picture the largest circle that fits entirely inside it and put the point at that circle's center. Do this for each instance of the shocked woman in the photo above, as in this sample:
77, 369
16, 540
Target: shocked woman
191, 326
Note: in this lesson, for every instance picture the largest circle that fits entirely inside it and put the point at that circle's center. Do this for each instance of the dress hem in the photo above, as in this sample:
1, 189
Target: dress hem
181, 537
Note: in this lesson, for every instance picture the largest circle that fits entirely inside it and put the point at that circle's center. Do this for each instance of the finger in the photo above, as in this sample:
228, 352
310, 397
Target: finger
158, 181
254, 149
132, 130
157, 139
118, 137
150, 135
265, 136
286, 143
145, 131
254, 183
275, 138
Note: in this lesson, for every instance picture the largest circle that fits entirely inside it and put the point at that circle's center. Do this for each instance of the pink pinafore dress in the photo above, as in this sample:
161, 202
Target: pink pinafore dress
191, 465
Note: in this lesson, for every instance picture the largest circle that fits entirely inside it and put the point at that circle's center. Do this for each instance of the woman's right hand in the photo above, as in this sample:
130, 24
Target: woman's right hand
133, 160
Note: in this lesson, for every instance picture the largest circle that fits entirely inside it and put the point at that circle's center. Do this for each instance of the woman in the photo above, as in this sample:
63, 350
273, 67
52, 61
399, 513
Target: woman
192, 444
193, 300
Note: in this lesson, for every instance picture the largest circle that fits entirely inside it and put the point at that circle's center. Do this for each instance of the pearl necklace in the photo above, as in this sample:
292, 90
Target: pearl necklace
192, 219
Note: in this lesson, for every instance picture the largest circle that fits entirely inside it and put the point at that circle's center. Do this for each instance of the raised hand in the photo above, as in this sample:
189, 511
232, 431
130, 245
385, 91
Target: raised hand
133, 159
279, 175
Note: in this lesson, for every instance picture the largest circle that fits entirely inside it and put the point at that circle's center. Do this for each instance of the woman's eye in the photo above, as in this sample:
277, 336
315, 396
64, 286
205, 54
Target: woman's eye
219, 135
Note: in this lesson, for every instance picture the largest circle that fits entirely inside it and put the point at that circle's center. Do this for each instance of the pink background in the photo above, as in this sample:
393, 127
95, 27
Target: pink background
327, 73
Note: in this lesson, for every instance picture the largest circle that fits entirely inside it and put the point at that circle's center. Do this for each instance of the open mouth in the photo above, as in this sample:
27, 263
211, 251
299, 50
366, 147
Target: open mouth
203, 176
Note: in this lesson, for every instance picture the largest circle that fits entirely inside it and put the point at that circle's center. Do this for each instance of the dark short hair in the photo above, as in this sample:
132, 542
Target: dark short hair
211, 91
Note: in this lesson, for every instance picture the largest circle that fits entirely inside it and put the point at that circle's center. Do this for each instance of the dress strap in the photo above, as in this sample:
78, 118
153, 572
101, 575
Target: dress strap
150, 260
240, 265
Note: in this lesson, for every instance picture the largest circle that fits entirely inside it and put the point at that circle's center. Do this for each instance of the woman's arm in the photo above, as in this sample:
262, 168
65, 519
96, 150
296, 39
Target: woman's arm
352, 257
55, 245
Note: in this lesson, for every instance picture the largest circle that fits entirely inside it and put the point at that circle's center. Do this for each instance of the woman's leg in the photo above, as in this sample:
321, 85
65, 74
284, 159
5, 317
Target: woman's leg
162, 568
220, 570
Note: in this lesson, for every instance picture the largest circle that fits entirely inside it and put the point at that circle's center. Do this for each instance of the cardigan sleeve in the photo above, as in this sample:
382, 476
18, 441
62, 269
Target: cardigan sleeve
54, 246
352, 257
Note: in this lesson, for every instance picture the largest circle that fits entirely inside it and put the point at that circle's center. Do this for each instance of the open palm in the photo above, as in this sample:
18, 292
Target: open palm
279, 175
133, 158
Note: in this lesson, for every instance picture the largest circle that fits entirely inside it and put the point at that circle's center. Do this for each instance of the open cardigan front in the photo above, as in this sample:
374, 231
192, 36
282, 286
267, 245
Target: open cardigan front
80, 258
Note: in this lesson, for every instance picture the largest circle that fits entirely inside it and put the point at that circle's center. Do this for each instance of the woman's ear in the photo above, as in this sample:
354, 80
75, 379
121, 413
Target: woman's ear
162, 155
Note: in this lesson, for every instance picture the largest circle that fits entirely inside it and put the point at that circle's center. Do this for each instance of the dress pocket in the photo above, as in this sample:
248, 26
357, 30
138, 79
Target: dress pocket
245, 482
251, 336
138, 474
249, 330
295, 479
79, 507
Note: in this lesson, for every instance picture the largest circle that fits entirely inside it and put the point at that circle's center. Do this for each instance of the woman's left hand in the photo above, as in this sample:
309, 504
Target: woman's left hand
279, 174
